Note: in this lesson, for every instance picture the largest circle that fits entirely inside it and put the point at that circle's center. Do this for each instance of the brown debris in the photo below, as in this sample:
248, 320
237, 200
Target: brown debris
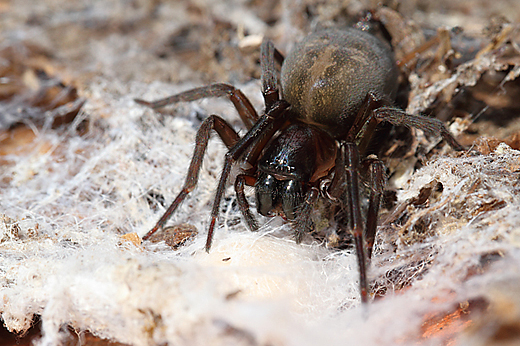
175, 236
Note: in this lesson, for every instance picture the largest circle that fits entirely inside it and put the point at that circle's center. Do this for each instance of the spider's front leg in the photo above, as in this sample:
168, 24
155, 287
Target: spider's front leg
349, 158
256, 138
375, 171
228, 136
265, 127
345, 187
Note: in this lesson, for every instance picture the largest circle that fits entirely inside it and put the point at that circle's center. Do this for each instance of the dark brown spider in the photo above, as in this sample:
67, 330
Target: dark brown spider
336, 86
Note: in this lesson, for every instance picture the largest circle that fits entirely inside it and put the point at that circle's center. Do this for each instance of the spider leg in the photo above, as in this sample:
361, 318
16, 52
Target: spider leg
374, 110
365, 123
258, 135
376, 180
431, 126
267, 125
228, 136
240, 101
350, 156
364, 114
278, 57
269, 79
345, 187
243, 204
268, 54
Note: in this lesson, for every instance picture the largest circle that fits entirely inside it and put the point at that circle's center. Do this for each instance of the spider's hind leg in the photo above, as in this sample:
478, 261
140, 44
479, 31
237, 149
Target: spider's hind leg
242, 104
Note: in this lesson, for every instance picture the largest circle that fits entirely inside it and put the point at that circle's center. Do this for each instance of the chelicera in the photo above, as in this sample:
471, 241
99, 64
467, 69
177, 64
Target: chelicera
310, 142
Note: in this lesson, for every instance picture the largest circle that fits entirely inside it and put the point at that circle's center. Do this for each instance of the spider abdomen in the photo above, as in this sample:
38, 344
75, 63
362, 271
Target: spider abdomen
327, 76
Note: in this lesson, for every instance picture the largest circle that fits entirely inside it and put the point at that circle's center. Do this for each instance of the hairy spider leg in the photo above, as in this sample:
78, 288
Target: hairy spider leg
268, 55
269, 79
431, 126
242, 104
347, 165
243, 204
369, 115
376, 180
270, 122
228, 136
255, 139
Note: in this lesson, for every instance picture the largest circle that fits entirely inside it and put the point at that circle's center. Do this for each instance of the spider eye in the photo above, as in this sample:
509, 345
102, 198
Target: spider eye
266, 190
292, 197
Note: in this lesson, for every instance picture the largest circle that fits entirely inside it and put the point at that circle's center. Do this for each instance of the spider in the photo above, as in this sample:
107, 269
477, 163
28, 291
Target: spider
311, 140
